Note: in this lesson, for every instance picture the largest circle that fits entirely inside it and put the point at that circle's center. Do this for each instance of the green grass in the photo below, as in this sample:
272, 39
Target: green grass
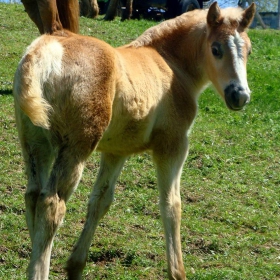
230, 184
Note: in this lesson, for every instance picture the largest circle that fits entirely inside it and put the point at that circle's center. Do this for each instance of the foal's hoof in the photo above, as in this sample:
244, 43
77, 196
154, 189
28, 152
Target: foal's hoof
74, 271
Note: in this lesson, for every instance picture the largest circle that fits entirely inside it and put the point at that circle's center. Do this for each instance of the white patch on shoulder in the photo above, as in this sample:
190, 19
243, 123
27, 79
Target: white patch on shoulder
236, 44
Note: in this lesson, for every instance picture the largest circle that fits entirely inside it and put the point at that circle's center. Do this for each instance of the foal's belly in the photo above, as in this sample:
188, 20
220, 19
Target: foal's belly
125, 138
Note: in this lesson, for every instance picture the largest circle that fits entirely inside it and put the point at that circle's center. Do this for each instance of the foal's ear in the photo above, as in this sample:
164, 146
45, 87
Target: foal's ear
214, 15
248, 16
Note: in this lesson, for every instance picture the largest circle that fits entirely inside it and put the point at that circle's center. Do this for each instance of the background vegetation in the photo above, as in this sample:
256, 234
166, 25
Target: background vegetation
262, 5
230, 183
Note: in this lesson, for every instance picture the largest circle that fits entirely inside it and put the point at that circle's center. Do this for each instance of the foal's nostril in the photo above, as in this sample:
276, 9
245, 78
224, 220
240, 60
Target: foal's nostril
236, 97
245, 99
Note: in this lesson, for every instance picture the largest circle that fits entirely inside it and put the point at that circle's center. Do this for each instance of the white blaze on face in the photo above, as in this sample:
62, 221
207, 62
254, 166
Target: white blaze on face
236, 44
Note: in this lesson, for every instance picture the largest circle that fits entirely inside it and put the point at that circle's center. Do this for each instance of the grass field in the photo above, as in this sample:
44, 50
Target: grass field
230, 184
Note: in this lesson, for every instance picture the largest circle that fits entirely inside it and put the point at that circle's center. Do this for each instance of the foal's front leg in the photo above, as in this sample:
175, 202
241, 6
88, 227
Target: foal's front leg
169, 168
99, 203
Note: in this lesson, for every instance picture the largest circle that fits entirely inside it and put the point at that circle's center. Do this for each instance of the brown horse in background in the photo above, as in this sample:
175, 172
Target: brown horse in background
74, 94
53, 15
89, 8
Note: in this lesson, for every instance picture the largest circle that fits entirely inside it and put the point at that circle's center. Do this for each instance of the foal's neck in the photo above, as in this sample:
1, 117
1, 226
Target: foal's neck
184, 50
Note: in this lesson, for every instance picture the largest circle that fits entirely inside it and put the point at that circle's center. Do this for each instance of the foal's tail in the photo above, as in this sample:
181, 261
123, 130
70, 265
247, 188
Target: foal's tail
28, 97
33, 72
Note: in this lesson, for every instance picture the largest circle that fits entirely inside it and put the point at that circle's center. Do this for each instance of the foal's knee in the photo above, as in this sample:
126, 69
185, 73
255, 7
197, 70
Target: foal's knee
53, 208
171, 207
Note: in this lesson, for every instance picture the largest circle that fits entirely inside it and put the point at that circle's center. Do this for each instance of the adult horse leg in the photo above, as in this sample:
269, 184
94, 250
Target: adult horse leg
99, 203
49, 15
51, 205
32, 9
44, 14
169, 168
69, 13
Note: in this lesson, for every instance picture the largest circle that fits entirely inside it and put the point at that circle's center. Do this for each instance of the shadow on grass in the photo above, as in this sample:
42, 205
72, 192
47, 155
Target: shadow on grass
5, 92
106, 256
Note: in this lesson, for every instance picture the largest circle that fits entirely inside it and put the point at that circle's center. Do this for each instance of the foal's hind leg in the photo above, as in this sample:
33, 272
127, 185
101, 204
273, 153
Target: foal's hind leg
38, 162
169, 169
99, 203
38, 157
50, 207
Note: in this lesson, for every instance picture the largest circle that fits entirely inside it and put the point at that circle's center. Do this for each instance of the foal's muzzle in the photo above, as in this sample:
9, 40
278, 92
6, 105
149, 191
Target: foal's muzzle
236, 97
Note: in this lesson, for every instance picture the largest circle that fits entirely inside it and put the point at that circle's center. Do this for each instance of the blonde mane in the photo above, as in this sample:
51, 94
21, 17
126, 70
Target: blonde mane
232, 15
156, 32
189, 21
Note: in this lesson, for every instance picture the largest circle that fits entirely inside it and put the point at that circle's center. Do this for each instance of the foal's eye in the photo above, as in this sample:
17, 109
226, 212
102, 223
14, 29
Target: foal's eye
217, 50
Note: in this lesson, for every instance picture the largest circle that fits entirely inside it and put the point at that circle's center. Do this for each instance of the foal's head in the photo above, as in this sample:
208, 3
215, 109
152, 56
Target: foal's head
228, 47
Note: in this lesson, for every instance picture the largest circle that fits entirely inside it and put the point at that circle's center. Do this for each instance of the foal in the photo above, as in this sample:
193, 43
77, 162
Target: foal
74, 94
